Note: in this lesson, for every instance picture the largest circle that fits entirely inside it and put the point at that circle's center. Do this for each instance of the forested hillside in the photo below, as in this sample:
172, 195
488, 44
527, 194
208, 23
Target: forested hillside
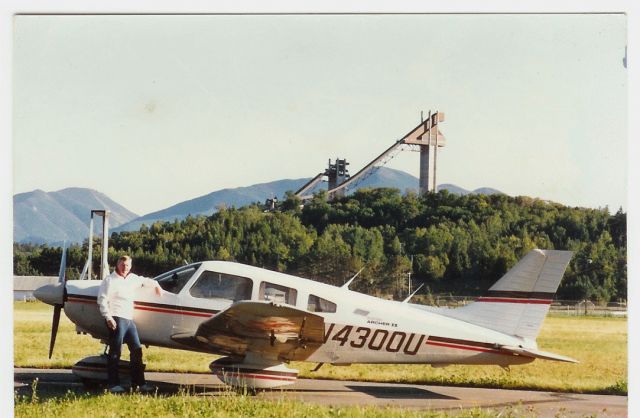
453, 244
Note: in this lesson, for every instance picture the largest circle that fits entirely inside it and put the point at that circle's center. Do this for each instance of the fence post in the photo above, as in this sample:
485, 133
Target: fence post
585, 308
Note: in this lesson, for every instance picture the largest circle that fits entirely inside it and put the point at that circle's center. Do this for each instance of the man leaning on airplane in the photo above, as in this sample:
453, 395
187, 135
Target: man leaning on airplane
115, 298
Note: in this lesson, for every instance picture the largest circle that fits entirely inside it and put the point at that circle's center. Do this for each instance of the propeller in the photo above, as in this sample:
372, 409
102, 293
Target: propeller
57, 308
54, 327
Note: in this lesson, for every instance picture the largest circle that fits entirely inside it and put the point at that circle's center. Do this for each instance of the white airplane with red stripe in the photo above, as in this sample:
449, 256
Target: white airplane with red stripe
260, 320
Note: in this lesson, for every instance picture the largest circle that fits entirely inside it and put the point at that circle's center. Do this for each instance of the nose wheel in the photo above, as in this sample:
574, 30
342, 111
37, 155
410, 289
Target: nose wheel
92, 371
91, 384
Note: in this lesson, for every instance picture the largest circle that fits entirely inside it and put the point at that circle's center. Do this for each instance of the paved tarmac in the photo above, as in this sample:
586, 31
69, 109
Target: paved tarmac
342, 393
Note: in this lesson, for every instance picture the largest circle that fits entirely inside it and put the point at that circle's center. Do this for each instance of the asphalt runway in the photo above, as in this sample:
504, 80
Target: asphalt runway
54, 382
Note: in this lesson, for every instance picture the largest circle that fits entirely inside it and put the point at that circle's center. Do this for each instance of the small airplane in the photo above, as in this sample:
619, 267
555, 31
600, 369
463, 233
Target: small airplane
260, 320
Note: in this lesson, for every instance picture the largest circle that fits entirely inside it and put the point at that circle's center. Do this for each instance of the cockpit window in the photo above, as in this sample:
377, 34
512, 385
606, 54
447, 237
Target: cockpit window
214, 285
175, 280
277, 293
317, 304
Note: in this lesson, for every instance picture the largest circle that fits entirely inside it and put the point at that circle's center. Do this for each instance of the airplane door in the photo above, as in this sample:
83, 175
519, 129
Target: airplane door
160, 317
157, 318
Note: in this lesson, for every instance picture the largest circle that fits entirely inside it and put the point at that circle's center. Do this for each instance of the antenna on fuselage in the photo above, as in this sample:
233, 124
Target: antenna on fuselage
346, 285
411, 295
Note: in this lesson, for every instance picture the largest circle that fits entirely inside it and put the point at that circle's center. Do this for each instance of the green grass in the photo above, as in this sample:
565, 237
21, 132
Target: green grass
227, 404
600, 344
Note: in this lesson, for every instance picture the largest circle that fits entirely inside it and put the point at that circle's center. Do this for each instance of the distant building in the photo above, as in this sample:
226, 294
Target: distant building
23, 286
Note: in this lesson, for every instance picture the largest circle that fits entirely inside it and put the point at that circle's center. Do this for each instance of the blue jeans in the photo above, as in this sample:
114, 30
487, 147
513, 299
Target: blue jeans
126, 332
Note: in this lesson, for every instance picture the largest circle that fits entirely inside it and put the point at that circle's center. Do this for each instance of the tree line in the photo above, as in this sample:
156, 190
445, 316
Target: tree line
451, 243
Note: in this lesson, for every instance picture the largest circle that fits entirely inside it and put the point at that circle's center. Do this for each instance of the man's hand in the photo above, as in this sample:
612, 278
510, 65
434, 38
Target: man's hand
159, 291
111, 324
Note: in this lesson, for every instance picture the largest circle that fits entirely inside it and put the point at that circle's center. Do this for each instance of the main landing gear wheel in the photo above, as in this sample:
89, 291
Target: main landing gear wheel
248, 377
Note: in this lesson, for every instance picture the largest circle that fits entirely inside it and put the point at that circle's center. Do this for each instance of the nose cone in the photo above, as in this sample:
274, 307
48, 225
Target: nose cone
52, 294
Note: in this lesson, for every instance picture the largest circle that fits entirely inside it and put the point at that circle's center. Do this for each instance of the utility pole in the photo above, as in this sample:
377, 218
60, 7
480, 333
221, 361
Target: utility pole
409, 274
104, 265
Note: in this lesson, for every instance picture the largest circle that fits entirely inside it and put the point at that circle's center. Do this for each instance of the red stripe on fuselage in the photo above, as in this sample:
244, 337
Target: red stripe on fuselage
92, 301
173, 311
465, 347
511, 300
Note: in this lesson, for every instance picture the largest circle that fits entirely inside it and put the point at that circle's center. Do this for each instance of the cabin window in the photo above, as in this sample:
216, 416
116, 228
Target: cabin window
214, 285
175, 280
317, 304
277, 293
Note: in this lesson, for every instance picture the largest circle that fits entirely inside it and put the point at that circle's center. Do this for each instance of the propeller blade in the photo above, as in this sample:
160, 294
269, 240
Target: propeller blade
54, 327
57, 308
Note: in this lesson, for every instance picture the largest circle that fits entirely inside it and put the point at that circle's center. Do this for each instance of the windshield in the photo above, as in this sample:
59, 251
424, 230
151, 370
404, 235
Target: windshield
175, 280
214, 285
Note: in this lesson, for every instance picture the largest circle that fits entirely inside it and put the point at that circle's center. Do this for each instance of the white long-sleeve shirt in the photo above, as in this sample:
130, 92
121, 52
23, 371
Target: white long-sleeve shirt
116, 294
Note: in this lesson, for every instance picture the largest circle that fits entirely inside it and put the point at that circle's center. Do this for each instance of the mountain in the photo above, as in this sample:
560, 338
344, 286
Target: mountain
487, 190
64, 215
388, 177
452, 188
208, 204
41, 217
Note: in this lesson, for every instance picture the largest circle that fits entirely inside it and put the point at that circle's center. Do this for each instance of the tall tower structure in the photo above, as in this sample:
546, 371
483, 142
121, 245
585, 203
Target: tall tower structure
337, 173
426, 136
429, 140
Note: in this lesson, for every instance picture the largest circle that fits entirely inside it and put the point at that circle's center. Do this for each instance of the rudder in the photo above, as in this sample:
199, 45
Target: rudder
518, 303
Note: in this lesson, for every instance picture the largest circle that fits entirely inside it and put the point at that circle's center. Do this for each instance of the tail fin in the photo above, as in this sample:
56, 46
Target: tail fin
518, 302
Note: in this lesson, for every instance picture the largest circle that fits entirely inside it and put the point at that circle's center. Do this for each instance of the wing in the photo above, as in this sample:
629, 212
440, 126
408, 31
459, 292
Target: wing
273, 331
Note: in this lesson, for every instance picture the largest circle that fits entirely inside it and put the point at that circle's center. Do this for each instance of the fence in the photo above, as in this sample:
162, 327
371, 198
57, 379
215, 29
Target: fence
589, 308
559, 307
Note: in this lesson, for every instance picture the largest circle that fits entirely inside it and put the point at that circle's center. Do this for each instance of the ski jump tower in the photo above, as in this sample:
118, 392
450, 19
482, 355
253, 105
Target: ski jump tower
429, 141
426, 136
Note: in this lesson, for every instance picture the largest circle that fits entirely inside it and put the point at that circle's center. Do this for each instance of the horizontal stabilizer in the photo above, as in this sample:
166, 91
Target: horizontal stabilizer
532, 352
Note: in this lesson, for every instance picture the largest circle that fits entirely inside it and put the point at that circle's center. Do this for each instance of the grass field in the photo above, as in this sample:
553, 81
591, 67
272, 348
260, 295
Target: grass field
600, 344
232, 405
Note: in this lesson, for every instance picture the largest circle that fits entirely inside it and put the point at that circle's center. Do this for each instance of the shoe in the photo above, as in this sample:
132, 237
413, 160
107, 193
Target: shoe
117, 389
146, 388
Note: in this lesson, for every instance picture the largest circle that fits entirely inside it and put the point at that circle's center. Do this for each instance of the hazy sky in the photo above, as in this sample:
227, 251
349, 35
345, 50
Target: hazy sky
155, 110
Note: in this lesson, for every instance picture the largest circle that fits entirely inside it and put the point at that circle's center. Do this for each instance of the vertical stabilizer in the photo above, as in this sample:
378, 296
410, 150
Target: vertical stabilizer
518, 303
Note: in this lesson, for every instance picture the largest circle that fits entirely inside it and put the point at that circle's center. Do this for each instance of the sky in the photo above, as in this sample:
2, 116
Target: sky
155, 110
